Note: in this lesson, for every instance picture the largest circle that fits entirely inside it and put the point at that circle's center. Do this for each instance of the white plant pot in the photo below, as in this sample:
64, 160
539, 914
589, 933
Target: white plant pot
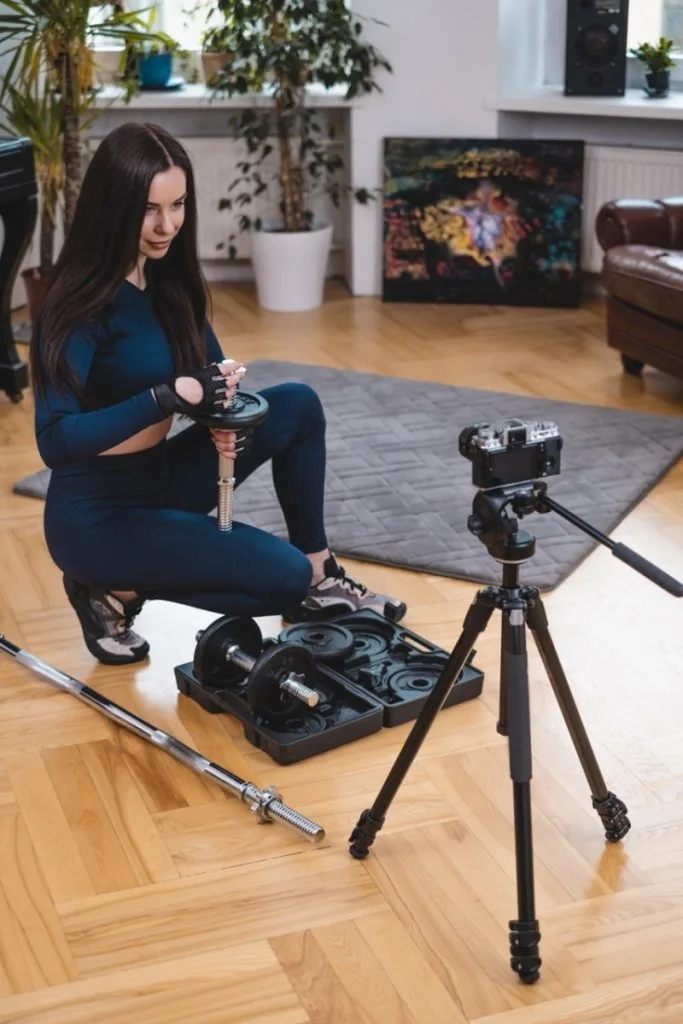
290, 267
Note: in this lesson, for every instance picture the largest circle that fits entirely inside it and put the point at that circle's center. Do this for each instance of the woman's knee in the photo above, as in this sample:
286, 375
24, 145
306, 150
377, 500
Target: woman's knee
297, 401
293, 581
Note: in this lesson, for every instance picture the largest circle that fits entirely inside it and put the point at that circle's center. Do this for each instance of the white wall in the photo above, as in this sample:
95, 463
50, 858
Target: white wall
523, 35
445, 59
555, 36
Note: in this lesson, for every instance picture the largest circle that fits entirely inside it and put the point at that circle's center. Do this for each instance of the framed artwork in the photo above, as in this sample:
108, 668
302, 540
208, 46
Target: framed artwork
487, 221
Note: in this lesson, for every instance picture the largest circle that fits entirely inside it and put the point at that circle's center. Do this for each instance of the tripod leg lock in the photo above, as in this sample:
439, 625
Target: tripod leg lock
524, 958
613, 813
363, 835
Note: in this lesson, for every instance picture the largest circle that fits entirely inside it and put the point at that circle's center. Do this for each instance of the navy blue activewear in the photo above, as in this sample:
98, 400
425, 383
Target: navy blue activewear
140, 521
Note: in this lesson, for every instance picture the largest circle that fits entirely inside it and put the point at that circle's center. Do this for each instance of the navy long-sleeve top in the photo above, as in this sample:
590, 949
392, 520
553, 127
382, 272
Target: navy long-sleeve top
119, 364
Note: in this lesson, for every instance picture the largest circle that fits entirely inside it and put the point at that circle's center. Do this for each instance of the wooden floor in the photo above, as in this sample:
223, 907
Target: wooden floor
131, 890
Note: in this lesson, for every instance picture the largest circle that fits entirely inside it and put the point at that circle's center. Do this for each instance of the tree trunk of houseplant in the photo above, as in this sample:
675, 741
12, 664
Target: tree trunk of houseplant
73, 145
36, 279
290, 256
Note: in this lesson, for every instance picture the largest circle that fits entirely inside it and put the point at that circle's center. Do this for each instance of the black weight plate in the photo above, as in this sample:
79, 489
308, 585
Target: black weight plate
247, 411
420, 676
367, 643
264, 693
210, 665
325, 641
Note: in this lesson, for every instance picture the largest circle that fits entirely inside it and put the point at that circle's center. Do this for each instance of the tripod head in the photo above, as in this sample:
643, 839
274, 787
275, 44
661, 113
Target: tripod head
494, 522
506, 463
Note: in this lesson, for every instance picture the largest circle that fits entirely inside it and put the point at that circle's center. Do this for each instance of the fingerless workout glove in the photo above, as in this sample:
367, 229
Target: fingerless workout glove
214, 388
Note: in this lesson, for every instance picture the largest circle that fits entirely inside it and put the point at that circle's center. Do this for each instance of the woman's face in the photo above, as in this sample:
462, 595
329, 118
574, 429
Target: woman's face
165, 213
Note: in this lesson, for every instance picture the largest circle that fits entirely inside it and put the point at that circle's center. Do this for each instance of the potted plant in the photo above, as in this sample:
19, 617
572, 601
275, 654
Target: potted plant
281, 50
48, 44
148, 63
659, 61
217, 50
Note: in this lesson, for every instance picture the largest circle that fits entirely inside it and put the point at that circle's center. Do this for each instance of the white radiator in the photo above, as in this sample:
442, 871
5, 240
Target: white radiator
215, 163
623, 173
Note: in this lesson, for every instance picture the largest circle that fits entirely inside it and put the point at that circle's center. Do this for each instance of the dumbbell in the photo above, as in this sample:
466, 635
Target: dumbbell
245, 412
232, 647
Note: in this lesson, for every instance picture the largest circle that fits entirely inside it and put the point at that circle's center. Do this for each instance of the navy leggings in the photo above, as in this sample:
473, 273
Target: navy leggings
140, 521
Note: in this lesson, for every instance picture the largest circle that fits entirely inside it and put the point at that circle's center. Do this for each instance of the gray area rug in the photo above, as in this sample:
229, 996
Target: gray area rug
399, 492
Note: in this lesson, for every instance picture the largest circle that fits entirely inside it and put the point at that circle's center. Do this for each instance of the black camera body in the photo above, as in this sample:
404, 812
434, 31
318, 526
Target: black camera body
512, 452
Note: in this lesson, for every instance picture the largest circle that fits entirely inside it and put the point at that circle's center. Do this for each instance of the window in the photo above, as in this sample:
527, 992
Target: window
184, 20
650, 19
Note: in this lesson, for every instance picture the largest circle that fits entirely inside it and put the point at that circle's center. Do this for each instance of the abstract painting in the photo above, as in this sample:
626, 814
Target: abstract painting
487, 221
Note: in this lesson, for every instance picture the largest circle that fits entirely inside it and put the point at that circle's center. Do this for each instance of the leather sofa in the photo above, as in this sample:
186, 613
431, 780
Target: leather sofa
643, 276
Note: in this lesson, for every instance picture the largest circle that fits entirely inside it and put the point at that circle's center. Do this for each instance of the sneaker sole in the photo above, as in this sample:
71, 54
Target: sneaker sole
138, 654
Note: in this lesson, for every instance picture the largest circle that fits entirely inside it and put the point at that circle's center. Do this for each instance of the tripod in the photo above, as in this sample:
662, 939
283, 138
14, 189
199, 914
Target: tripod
521, 606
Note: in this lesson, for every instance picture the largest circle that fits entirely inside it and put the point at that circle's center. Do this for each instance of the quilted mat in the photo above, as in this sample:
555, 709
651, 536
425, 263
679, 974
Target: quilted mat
399, 492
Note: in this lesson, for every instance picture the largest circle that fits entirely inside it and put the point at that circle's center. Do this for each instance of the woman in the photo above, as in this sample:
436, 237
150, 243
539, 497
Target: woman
122, 343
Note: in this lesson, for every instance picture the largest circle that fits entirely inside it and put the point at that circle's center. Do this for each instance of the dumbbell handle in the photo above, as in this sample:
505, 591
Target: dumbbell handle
226, 488
226, 485
290, 683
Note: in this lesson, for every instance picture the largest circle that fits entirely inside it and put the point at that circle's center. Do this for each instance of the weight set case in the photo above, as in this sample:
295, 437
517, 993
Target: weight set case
383, 680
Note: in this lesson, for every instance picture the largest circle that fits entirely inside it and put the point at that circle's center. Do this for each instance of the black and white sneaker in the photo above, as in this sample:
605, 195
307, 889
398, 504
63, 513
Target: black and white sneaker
106, 621
337, 593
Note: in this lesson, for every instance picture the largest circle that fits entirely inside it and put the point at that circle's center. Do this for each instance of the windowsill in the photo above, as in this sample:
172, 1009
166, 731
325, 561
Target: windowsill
200, 96
551, 100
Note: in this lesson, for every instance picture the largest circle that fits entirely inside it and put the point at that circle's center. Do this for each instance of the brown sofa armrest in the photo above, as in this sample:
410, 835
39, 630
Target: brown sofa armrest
655, 222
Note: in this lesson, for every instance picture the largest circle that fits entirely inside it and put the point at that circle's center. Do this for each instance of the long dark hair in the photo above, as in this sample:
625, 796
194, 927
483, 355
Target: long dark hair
102, 248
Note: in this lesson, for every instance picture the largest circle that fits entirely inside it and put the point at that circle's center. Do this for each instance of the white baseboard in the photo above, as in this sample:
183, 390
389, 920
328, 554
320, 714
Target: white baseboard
219, 271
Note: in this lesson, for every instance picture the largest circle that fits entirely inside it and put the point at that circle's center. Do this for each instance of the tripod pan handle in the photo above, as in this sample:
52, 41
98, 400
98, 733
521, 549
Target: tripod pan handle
647, 569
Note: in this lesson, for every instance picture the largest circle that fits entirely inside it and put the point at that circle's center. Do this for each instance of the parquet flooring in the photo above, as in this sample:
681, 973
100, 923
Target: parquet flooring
133, 890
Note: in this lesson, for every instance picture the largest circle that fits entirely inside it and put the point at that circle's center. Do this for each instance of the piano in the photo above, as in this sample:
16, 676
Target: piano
19, 213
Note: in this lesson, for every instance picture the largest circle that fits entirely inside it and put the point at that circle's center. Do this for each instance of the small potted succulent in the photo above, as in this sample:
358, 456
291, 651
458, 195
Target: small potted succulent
659, 61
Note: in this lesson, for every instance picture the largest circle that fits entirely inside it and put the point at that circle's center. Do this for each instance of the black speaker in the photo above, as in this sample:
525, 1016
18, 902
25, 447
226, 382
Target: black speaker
596, 48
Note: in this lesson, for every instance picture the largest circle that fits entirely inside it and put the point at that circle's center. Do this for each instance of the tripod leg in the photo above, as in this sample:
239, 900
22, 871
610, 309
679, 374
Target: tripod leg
612, 810
524, 933
372, 819
502, 723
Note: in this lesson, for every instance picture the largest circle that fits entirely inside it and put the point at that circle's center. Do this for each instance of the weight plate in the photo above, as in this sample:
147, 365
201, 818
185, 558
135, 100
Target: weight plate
368, 644
325, 641
420, 676
265, 695
248, 410
210, 665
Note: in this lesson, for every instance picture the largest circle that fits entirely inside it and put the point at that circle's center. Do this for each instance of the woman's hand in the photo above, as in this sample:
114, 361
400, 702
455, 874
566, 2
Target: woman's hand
234, 371
191, 391
225, 442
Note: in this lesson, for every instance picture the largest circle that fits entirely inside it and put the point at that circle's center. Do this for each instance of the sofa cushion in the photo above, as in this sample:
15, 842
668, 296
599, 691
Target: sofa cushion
649, 278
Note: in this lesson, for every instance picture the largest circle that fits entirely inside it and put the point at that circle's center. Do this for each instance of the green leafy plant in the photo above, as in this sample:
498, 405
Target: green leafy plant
657, 58
218, 40
49, 46
280, 50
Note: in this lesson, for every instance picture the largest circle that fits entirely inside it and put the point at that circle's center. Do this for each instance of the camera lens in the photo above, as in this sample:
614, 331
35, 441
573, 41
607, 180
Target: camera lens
465, 438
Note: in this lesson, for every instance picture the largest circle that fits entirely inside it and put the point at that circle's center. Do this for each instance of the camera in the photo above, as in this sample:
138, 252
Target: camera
511, 452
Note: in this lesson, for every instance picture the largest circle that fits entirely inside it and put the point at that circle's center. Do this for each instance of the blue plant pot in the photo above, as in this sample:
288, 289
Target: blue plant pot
155, 70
